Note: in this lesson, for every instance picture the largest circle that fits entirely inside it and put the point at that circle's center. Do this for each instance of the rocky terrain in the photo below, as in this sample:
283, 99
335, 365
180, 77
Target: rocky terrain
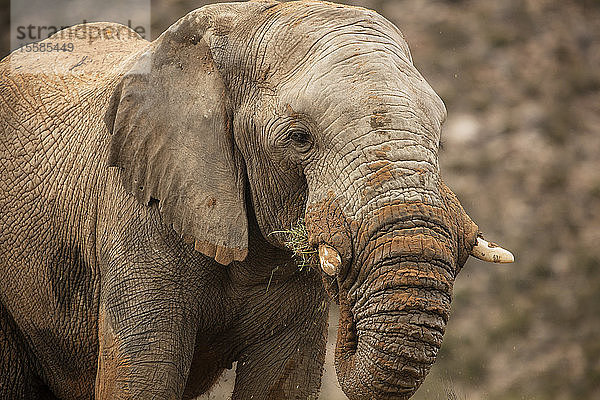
521, 81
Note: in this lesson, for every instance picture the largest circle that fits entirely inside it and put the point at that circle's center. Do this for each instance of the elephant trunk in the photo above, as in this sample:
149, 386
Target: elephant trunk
394, 313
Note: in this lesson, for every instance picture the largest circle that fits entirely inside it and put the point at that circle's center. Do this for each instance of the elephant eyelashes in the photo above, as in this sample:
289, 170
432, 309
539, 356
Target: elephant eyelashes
300, 139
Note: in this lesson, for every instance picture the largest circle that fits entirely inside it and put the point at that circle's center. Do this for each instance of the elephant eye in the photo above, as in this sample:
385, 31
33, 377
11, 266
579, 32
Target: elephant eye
300, 138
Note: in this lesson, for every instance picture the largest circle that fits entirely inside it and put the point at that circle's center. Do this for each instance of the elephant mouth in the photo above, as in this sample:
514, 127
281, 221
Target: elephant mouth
347, 330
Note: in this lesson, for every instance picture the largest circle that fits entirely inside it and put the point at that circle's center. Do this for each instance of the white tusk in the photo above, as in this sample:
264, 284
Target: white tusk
491, 252
330, 259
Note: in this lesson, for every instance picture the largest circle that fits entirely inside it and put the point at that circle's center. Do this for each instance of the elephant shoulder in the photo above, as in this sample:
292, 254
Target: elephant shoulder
89, 50
80, 62
67, 77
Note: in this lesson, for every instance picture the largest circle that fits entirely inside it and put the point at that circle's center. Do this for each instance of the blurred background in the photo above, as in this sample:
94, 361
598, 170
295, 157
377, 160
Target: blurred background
521, 81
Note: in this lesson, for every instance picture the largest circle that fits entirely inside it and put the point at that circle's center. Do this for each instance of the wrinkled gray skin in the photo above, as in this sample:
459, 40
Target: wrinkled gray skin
139, 189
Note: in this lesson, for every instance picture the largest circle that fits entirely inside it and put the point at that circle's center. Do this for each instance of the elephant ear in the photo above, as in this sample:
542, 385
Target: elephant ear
172, 136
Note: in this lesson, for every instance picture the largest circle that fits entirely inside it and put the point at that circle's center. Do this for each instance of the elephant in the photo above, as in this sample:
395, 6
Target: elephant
147, 186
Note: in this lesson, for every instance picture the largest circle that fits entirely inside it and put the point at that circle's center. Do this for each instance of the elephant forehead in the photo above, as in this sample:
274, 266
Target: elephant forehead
347, 58
293, 34
379, 100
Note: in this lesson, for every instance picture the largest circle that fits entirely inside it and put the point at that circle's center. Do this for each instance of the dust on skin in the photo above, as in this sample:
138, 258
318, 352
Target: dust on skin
415, 245
393, 210
327, 218
380, 119
382, 172
382, 152
432, 278
113, 366
276, 391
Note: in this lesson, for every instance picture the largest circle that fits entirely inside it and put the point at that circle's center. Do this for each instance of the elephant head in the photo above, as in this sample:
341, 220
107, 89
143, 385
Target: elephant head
307, 110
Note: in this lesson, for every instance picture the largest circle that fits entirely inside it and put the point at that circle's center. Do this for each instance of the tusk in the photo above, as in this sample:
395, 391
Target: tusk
330, 259
491, 252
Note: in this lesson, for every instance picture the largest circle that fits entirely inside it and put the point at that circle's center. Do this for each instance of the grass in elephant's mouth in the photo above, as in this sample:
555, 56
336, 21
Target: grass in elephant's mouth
296, 239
